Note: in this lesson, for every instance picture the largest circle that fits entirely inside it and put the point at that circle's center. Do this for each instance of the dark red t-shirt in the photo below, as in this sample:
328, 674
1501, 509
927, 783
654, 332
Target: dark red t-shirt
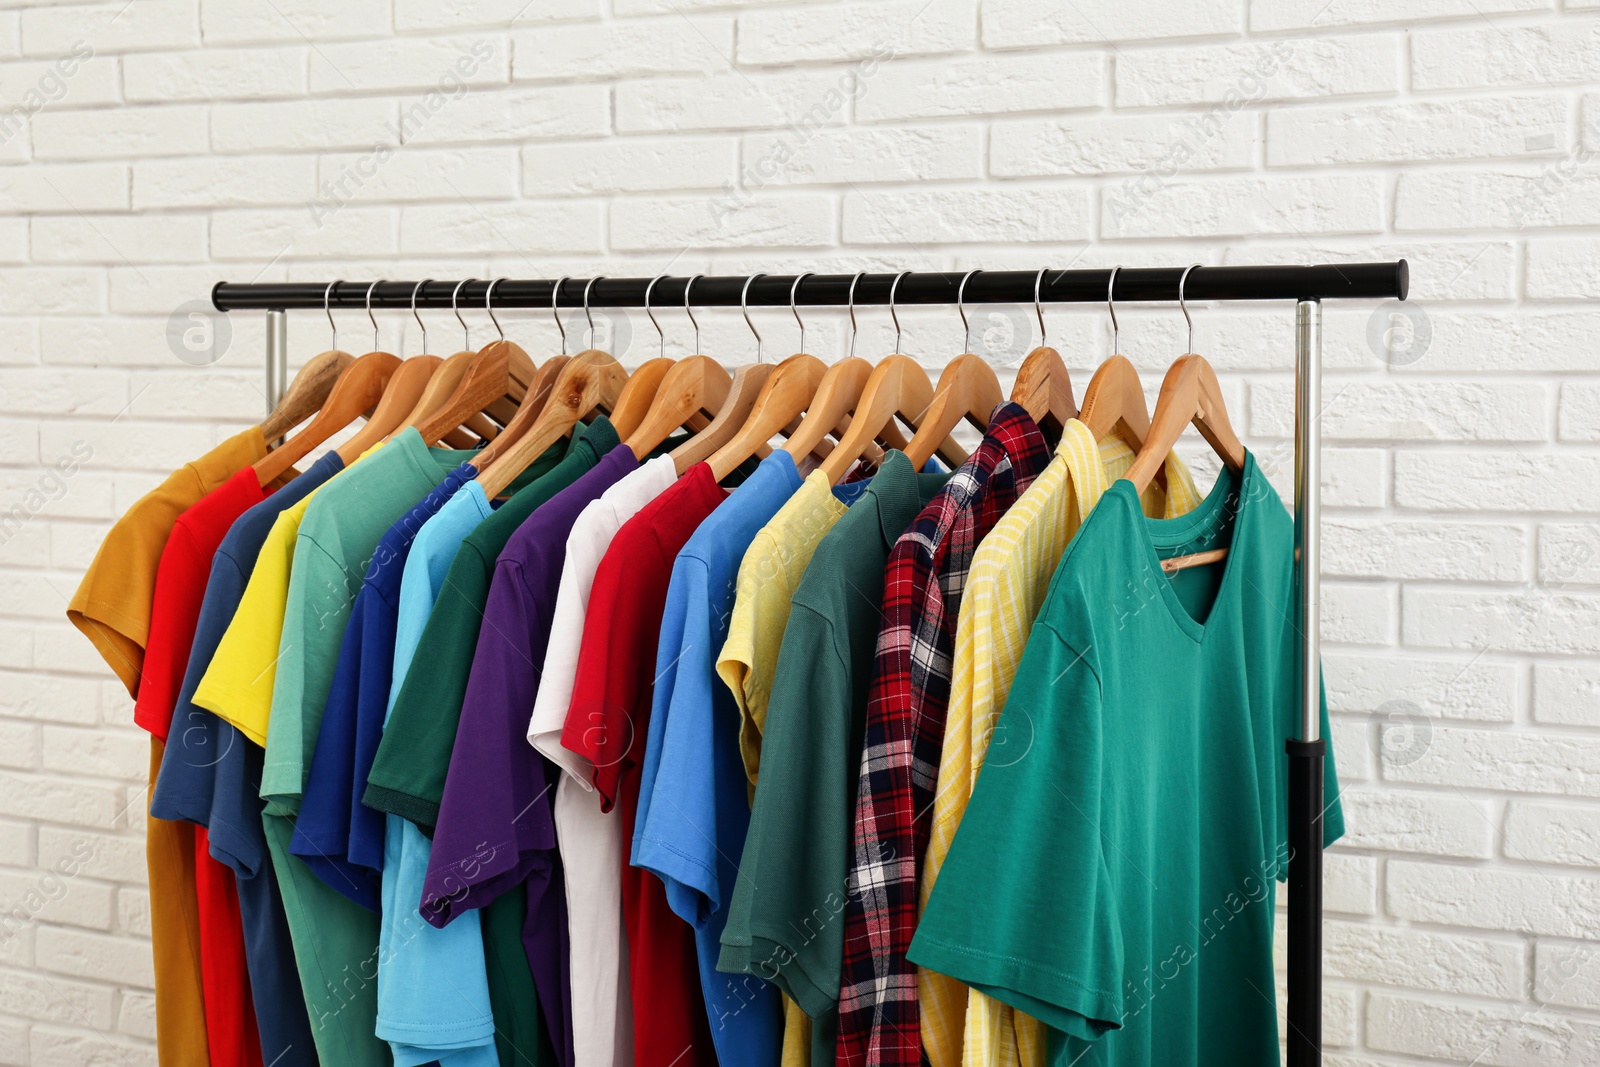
606, 723
231, 1035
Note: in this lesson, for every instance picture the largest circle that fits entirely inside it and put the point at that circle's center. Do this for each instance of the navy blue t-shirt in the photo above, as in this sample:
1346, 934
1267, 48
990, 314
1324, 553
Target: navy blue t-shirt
211, 775
340, 838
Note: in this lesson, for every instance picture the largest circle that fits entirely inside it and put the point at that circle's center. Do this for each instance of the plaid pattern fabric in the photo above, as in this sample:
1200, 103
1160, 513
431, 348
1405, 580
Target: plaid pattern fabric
923, 582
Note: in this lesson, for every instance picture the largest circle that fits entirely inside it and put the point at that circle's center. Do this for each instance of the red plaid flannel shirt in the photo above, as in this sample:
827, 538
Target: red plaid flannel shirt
879, 1023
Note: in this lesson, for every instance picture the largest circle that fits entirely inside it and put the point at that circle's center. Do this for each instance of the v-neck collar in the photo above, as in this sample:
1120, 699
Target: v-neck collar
1206, 521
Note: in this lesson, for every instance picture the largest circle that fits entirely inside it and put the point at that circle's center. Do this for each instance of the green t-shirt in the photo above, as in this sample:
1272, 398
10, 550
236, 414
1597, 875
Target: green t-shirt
785, 921
407, 776
341, 527
1114, 873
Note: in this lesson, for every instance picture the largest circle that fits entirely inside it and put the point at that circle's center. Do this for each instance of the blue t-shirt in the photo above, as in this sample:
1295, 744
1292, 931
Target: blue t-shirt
694, 806
433, 985
339, 838
211, 775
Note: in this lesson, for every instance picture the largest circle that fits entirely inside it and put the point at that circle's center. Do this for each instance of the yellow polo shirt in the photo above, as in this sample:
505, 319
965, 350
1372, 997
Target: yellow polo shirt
768, 575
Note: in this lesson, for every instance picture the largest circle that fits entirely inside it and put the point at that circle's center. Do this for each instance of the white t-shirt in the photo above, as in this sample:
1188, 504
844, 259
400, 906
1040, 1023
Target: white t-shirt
592, 844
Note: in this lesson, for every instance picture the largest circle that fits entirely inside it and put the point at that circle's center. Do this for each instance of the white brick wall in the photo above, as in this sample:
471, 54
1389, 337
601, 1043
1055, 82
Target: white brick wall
149, 149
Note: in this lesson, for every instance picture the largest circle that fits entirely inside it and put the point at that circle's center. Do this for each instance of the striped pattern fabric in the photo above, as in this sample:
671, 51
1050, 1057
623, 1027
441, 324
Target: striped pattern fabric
923, 585
1007, 583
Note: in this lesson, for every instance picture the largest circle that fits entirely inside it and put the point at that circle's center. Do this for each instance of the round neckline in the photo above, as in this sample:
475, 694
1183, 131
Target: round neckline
1169, 533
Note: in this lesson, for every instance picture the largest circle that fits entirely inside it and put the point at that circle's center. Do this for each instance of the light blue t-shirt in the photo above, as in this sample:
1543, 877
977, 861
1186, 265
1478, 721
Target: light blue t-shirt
433, 987
693, 802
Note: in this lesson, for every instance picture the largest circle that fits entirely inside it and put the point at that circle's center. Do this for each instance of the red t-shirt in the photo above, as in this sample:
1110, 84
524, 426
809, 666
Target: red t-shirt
606, 723
231, 1034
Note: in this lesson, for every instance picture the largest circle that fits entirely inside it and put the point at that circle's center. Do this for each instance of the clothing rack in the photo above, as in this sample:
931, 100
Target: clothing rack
1308, 286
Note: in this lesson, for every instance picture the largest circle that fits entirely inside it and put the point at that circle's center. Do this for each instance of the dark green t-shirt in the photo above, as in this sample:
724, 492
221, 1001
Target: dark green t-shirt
1113, 875
407, 776
785, 921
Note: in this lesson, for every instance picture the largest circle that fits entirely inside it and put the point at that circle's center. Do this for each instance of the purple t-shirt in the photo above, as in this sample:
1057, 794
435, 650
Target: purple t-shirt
495, 829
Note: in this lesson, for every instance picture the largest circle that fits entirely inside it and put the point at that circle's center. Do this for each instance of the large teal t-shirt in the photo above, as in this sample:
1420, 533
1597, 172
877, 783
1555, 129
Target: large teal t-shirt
1114, 873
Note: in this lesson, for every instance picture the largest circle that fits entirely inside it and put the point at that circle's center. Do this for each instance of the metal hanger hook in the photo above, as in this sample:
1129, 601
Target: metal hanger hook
689, 311
586, 312
649, 311
1111, 306
894, 287
1038, 309
1184, 307
961, 293
466, 335
488, 296
333, 327
852, 302
415, 289
744, 307
555, 312
371, 318
795, 311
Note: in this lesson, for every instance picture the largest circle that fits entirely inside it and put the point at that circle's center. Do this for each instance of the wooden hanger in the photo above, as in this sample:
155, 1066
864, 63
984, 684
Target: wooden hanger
1043, 386
784, 397
698, 386
1190, 393
442, 384
897, 386
834, 397
781, 395
968, 390
1114, 401
500, 370
399, 397
360, 386
641, 394
537, 397
307, 393
735, 411
592, 379
828, 411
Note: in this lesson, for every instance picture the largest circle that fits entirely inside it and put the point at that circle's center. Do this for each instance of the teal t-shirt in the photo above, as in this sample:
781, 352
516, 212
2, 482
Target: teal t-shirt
341, 527
1113, 875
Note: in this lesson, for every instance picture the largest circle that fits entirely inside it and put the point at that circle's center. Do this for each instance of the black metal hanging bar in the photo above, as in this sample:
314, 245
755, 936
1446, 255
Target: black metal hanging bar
1329, 281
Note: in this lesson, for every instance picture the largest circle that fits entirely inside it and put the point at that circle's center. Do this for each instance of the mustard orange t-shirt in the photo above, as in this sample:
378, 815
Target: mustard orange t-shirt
112, 604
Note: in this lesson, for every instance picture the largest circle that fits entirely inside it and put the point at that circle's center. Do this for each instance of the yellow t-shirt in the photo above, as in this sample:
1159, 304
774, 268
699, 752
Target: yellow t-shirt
237, 686
112, 604
1006, 584
768, 574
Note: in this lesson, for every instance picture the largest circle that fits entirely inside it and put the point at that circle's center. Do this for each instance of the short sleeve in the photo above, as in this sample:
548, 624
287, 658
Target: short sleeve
1034, 825
322, 831
408, 773
599, 723
238, 684
495, 825
315, 612
676, 830
174, 611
